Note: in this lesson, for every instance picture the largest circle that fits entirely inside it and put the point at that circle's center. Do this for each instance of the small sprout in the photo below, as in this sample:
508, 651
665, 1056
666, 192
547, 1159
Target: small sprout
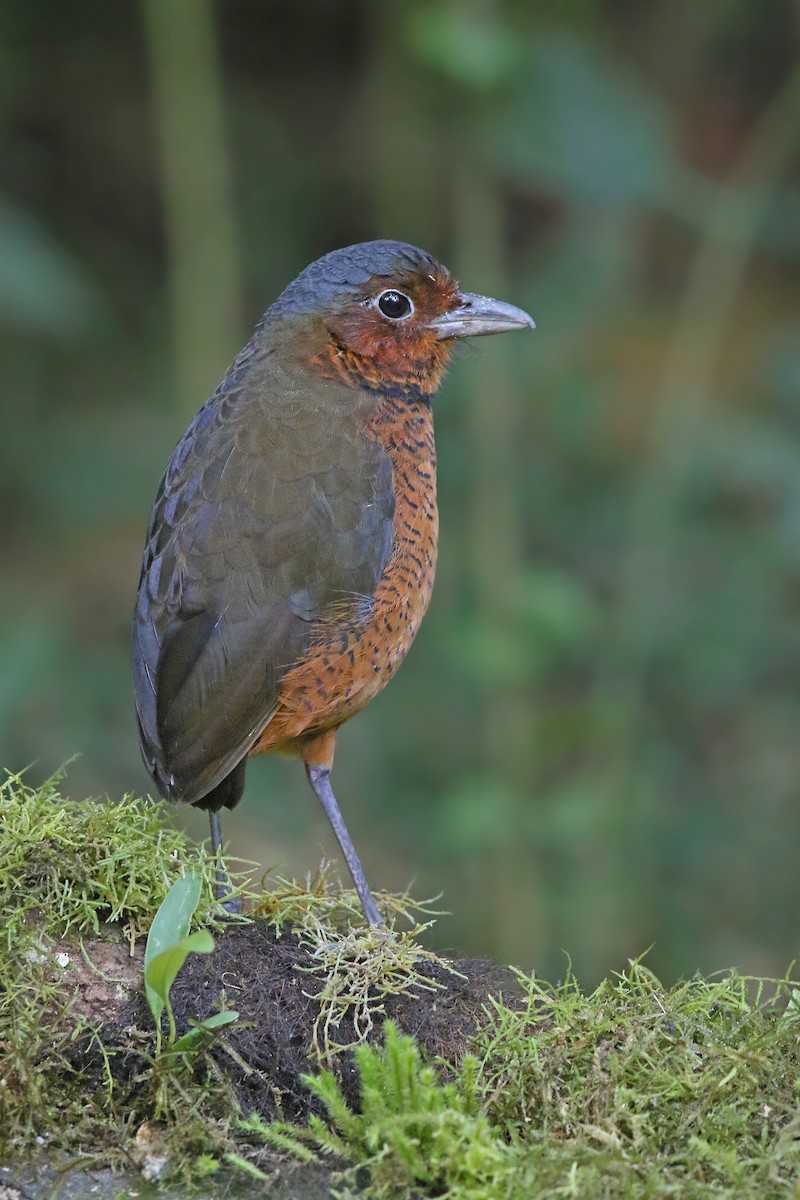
169, 943
215, 1021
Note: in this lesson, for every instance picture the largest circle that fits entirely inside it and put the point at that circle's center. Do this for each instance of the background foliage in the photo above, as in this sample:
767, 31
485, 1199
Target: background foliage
594, 743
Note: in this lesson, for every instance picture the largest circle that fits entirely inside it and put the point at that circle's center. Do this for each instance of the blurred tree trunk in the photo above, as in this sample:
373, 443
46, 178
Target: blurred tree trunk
495, 540
495, 535
188, 106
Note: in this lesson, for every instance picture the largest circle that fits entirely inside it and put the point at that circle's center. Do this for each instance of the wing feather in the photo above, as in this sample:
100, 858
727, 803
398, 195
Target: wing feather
274, 507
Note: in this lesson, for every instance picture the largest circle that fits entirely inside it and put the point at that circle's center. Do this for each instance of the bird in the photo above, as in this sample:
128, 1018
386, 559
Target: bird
291, 549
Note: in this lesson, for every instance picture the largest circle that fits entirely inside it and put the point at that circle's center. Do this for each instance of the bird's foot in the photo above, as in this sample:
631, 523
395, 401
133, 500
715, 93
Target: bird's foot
227, 899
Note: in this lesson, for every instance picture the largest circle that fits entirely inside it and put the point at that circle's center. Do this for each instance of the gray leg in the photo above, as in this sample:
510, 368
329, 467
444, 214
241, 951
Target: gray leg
231, 904
320, 780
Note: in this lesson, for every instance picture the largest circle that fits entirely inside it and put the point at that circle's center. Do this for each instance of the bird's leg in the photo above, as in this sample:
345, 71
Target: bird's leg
320, 780
318, 757
229, 902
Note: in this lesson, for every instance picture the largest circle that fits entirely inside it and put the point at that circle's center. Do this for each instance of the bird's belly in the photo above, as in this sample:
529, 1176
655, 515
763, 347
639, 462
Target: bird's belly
355, 654
339, 677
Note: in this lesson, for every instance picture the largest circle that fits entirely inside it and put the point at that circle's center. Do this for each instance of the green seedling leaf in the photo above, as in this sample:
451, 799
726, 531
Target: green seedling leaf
170, 926
161, 971
198, 1027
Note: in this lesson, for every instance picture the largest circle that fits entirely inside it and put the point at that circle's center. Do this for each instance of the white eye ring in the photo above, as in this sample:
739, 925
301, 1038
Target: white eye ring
394, 305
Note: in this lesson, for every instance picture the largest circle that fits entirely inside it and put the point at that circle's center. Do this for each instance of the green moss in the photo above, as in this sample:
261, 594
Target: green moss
81, 865
412, 1130
642, 1090
633, 1091
69, 870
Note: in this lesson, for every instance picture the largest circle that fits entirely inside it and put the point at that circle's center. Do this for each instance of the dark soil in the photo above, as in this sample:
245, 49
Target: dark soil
270, 981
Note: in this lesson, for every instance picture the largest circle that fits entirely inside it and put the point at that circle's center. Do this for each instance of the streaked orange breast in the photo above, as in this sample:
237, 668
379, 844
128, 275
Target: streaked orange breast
356, 653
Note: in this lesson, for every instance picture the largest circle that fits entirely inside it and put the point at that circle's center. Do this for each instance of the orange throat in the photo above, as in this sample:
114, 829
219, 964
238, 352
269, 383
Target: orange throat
414, 369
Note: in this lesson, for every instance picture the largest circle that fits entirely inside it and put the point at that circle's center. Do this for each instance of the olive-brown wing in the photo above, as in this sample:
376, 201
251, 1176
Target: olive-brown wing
273, 509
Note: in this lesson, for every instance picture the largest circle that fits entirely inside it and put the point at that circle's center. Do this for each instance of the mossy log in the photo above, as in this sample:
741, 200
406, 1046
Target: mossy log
507, 1087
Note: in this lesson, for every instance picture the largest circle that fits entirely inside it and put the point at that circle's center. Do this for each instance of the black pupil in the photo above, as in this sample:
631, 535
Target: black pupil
394, 304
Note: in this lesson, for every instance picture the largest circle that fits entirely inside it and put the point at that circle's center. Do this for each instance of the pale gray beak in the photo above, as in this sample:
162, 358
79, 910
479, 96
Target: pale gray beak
476, 315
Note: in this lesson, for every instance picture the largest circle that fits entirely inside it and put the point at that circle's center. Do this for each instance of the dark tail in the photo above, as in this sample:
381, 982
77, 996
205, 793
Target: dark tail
227, 793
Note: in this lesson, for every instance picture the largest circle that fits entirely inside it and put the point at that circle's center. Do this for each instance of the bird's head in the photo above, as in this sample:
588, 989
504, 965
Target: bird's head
385, 316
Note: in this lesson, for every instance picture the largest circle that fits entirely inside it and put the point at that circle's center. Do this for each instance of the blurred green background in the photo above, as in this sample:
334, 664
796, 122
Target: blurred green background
594, 744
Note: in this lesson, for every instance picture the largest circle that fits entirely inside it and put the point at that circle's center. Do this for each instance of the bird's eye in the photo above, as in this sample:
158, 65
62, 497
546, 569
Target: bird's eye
395, 305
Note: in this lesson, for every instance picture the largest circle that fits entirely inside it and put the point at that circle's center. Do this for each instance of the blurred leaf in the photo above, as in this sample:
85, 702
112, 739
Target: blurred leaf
555, 606
568, 816
586, 277
581, 126
777, 368
30, 653
749, 455
476, 50
41, 287
477, 814
780, 228
490, 654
